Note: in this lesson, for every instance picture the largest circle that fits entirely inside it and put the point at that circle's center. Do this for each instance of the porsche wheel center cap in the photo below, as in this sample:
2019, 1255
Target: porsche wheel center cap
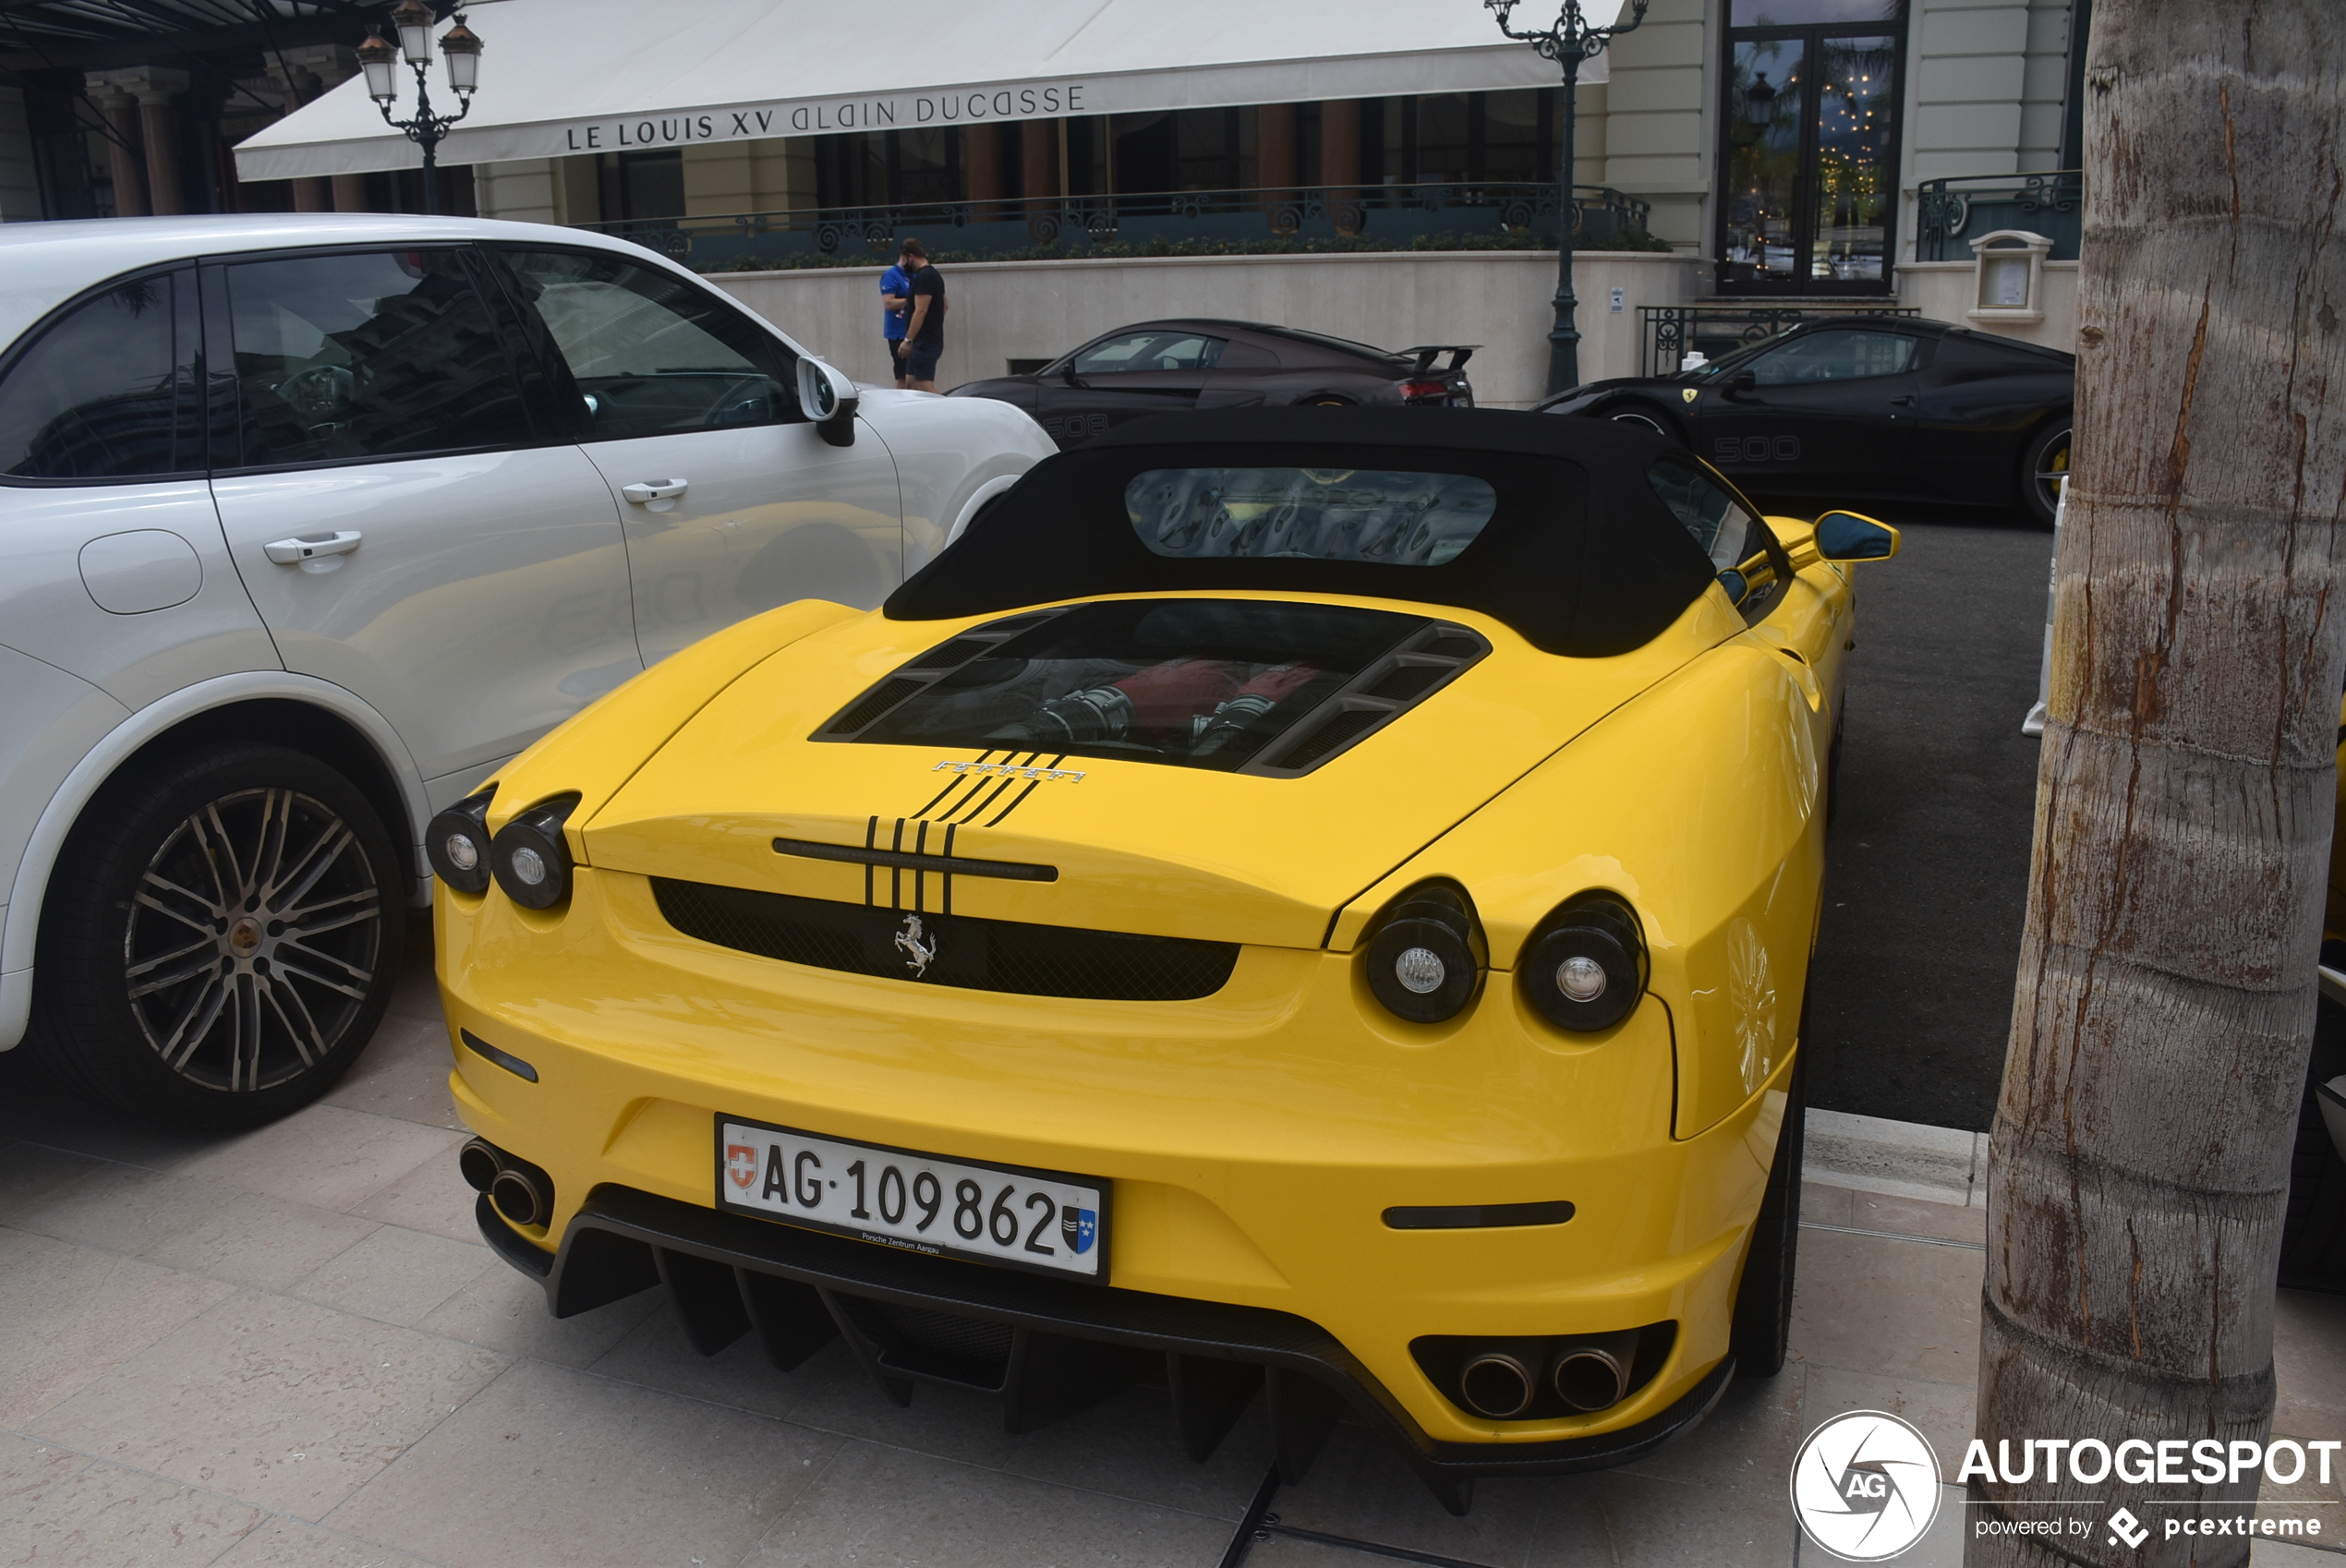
245, 938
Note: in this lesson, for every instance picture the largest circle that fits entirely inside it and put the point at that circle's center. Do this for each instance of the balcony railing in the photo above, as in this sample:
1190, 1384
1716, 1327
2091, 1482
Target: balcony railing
1392, 217
1959, 208
1670, 333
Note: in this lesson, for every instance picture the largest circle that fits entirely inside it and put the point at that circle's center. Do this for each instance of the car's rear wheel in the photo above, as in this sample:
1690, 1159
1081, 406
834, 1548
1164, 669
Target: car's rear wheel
1763, 1328
2044, 470
222, 936
1643, 418
1326, 400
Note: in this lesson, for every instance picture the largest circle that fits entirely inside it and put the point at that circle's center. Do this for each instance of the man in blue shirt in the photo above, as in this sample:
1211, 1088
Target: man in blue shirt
895, 314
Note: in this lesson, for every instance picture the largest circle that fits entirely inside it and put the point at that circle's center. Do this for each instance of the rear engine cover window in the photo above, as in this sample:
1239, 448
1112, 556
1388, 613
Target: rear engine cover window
1385, 517
1196, 682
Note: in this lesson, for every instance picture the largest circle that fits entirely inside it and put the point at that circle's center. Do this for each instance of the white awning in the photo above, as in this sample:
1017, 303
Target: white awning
566, 77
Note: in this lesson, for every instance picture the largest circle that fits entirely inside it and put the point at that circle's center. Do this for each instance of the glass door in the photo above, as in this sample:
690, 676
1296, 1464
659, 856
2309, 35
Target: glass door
1809, 154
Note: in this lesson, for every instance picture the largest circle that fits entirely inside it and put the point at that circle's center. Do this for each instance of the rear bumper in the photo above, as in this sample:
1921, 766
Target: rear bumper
1069, 1343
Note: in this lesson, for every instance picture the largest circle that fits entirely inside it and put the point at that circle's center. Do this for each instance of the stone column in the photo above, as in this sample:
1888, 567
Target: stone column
1039, 160
1340, 142
322, 68
312, 193
126, 159
1275, 166
982, 164
157, 87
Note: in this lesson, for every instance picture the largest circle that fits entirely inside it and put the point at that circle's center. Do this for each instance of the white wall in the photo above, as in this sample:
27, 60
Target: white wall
1004, 310
1945, 290
2044, 86
1657, 130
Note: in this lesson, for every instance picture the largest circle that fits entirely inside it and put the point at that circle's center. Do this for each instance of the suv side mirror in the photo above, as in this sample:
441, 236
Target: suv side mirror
829, 399
1743, 382
1847, 536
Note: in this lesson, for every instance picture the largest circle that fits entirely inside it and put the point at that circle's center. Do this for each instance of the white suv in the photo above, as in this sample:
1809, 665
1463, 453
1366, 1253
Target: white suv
306, 523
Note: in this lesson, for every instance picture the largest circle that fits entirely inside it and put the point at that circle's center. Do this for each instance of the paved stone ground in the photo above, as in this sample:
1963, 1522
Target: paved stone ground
291, 1348
1929, 876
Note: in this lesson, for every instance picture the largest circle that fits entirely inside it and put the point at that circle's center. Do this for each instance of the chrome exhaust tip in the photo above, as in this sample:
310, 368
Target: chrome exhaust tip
1593, 1373
478, 1162
518, 1196
1496, 1384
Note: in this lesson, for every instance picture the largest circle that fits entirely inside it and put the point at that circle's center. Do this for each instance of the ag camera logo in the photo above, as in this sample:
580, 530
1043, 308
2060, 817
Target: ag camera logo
1865, 1485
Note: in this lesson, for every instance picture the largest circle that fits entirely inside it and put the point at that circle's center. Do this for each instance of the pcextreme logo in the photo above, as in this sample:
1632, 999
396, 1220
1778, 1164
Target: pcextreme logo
1865, 1485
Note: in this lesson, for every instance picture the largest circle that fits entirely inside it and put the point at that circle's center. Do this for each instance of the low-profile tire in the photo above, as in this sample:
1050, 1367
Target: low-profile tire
2044, 469
1762, 1327
222, 934
1644, 418
1324, 400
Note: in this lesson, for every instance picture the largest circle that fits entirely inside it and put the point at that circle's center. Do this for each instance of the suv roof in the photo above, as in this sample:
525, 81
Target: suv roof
42, 265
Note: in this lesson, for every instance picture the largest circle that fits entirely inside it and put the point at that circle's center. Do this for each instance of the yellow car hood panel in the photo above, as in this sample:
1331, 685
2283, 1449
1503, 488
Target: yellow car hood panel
1148, 847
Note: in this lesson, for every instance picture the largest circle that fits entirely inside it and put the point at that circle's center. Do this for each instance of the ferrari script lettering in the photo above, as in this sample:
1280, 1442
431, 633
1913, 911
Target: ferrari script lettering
918, 952
1011, 770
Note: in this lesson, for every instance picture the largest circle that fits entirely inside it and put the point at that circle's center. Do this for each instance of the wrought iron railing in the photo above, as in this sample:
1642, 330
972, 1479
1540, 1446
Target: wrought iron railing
1957, 209
1670, 331
1490, 215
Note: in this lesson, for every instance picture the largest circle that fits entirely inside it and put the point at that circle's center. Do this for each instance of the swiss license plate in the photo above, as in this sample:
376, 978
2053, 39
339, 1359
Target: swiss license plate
1046, 1221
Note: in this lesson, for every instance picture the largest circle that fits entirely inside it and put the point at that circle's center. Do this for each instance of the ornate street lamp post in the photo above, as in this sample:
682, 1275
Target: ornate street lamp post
413, 20
1568, 42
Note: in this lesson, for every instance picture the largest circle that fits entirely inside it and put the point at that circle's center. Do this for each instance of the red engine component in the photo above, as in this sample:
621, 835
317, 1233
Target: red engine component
1166, 697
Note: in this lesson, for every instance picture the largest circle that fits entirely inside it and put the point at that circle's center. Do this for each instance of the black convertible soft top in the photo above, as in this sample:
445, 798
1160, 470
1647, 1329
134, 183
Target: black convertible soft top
1580, 557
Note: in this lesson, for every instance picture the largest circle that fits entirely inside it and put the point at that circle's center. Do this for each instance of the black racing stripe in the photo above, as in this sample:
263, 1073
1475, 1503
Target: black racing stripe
920, 874
956, 782
896, 869
996, 821
980, 799
945, 888
871, 839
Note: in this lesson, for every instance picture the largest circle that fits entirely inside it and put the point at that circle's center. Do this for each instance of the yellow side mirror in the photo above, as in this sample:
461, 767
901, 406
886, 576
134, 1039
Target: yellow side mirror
1847, 536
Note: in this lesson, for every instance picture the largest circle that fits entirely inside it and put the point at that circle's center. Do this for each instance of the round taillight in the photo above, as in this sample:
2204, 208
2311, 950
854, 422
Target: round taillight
1586, 969
1423, 962
530, 858
456, 843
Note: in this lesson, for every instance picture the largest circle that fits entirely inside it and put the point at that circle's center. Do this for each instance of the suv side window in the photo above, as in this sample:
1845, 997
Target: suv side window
107, 392
1844, 356
369, 354
653, 354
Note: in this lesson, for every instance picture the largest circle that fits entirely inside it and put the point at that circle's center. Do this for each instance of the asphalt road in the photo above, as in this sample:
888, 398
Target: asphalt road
1927, 885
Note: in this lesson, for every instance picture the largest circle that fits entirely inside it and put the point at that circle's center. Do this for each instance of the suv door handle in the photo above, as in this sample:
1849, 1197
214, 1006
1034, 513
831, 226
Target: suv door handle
293, 551
656, 495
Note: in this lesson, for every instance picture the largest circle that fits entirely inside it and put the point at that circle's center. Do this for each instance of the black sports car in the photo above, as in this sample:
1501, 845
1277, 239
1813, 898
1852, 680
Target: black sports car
1870, 408
1197, 362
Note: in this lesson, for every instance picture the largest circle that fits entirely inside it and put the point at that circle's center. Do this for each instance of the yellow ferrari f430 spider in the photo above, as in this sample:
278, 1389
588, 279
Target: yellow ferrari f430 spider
1308, 904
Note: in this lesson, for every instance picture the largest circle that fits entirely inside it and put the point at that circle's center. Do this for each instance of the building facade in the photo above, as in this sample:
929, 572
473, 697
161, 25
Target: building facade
1784, 154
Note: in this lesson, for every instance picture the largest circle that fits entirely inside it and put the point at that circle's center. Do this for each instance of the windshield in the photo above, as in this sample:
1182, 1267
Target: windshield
1197, 682
1386, 516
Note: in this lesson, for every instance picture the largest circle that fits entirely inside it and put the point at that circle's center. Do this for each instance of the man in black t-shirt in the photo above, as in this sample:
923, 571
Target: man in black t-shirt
925, 334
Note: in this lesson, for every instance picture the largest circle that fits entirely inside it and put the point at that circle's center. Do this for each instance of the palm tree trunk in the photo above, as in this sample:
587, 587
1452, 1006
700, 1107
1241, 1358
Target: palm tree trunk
2165, 1001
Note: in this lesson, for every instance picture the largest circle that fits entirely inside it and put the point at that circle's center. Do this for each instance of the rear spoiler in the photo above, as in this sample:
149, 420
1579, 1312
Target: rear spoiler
1425, 352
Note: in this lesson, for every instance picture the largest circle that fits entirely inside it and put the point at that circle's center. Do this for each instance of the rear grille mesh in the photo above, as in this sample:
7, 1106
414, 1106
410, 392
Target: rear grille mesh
970, 953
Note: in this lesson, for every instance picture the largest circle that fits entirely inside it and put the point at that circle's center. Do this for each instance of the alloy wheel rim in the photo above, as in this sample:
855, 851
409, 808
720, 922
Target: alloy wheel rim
2055, 474
253, 940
